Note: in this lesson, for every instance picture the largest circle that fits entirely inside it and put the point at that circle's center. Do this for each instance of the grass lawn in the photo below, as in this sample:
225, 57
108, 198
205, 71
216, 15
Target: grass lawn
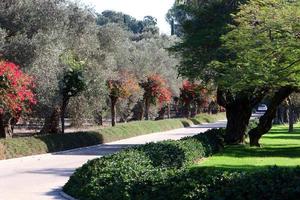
279, 148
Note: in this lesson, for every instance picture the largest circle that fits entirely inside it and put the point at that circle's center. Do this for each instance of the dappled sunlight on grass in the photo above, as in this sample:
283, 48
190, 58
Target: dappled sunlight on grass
278, 148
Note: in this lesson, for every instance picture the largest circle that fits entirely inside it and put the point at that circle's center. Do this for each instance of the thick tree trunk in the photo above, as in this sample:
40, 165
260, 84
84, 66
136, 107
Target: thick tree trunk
238, 115
63, 112
147, 108
238, 111
51, 125
291, 115
266, 121
6, 127
113, 109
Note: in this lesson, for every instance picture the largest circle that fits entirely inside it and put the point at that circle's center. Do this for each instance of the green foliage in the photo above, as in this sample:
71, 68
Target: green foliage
148, 24
131, 173
262, 49
73, 81
26, 146
201, 40
209, 184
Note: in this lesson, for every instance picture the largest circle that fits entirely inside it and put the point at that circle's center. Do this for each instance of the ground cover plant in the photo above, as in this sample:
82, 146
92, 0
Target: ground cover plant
26, 146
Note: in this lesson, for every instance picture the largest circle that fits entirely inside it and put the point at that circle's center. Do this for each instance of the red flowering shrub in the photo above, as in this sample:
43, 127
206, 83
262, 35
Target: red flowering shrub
16, 94
194, 93
123, 87
155, 89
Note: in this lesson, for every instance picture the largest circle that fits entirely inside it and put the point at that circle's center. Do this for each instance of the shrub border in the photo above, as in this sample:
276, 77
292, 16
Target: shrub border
28, 146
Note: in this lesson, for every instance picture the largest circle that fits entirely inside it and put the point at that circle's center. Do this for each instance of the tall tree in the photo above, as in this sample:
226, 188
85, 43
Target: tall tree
201, 44
264, 48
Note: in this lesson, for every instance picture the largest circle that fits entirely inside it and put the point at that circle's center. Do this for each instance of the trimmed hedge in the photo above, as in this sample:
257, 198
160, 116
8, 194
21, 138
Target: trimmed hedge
26, 146
135, 172
210, 184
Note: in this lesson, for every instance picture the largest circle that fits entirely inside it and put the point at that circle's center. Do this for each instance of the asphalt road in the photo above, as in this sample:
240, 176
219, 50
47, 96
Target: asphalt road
41, 177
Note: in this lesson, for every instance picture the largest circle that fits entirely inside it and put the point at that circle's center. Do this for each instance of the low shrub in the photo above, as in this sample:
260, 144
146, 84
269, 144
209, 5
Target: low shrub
207, 118
26, 146
210, 184
130, 173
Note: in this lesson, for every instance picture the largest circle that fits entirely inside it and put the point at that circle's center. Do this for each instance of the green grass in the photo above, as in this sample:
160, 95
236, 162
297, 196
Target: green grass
26, 146
279, 148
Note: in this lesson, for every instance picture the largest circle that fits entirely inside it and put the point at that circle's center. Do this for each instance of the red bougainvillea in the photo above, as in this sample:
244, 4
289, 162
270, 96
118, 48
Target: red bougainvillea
156, 89
124, 86
194, 92
16, 94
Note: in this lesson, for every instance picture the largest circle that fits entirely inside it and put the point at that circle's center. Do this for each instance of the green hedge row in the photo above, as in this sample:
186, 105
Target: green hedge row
26, 146
134, 173
210, 184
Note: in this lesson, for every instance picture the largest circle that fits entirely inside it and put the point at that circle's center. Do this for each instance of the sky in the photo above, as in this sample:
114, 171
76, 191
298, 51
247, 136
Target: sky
137, 9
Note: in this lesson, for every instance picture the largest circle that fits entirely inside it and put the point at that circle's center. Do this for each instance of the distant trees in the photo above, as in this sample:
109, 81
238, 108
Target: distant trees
148, 24
86, 64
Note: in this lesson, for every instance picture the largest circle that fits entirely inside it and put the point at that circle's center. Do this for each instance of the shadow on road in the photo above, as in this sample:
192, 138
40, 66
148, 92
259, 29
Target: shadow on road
55, 194
58, 172
100, 150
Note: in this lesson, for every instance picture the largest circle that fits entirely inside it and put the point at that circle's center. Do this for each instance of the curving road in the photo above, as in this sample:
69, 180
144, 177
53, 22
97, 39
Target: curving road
41, 177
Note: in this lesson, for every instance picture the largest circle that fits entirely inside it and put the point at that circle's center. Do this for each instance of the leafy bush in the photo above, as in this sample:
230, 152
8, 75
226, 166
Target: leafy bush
209, 184
131, 173
207, 118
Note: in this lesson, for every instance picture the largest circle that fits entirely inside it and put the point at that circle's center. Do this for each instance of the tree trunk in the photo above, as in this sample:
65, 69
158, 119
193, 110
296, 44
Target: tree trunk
238, 115
98, 118
63, 112
51, 124
113, 109
147, 108
176, 106
238, 111
291, 115
6, 127
186, 110
161, 113
265, 122
169, 111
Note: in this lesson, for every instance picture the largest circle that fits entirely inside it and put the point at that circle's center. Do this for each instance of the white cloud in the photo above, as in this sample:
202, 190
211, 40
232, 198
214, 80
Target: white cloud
137, 9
